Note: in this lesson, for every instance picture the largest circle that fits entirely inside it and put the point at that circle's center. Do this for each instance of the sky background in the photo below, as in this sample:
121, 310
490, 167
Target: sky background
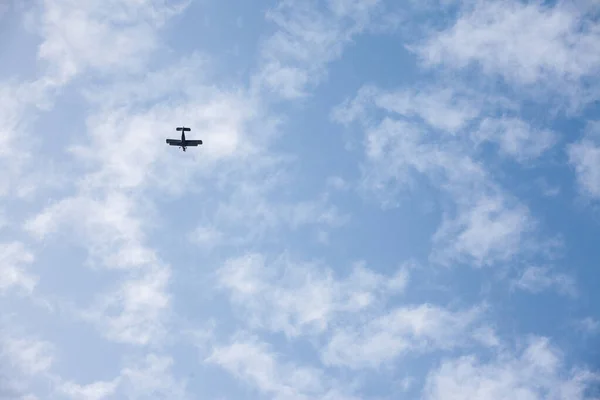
394, 199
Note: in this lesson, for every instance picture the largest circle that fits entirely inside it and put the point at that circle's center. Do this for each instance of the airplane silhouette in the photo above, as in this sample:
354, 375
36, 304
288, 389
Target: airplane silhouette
183, 143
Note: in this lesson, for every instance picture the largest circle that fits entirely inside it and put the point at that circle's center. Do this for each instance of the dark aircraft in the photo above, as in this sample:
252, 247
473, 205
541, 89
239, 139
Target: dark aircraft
183, 143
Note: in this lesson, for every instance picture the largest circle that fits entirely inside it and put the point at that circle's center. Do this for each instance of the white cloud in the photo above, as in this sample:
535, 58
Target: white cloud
255, 363
589, 325
441, 107
537, 279
381, 340
25, 361
487, 225
18, 101
152, 377
407, 383
221, 119
395, 150
148, 376
353, 109
31, 356
526, 43
111, 229
337, 183
446, 108
108, 214
308, 37
319, 211
584, 156
13, 256
487, 336
206, 236
485, 232
75, 36
548, 189
136, 312
516, 138
106, 36
301, 298
537, 372
254, 209
93, 391
203, 336
119, 174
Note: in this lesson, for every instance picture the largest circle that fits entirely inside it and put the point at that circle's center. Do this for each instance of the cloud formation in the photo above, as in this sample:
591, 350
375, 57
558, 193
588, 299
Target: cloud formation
529, 44
534, 372
367, 236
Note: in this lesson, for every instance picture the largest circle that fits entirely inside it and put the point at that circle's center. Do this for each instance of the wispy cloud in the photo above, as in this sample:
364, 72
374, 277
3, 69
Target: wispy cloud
111, 232
111, 228
442, 108
108, 215
526, 43
92, 391
487, 224
584, 156
25, 361
136, 312
13, 258
19, 104
272, 294
256, 363
123, 33
537, 371
412, 329
537, 279
489, 230
300, 298
589, 325
30, 355
152, 376
515, 138
147, 376
397, 148
308, 37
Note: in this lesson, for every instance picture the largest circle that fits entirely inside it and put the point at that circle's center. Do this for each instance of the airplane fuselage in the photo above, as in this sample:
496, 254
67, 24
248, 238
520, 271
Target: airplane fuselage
183, 142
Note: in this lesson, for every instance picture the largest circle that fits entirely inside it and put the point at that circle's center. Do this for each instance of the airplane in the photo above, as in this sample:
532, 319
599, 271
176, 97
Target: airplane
183, 143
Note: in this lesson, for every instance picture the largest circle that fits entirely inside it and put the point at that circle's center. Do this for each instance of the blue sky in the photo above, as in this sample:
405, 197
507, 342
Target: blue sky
394, 200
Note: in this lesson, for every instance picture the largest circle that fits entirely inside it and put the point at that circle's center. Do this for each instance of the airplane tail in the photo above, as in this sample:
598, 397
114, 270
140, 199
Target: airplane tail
183, 128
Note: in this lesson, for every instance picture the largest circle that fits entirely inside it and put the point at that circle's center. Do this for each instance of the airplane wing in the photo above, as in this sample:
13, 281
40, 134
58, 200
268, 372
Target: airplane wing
174, 142
193, 142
